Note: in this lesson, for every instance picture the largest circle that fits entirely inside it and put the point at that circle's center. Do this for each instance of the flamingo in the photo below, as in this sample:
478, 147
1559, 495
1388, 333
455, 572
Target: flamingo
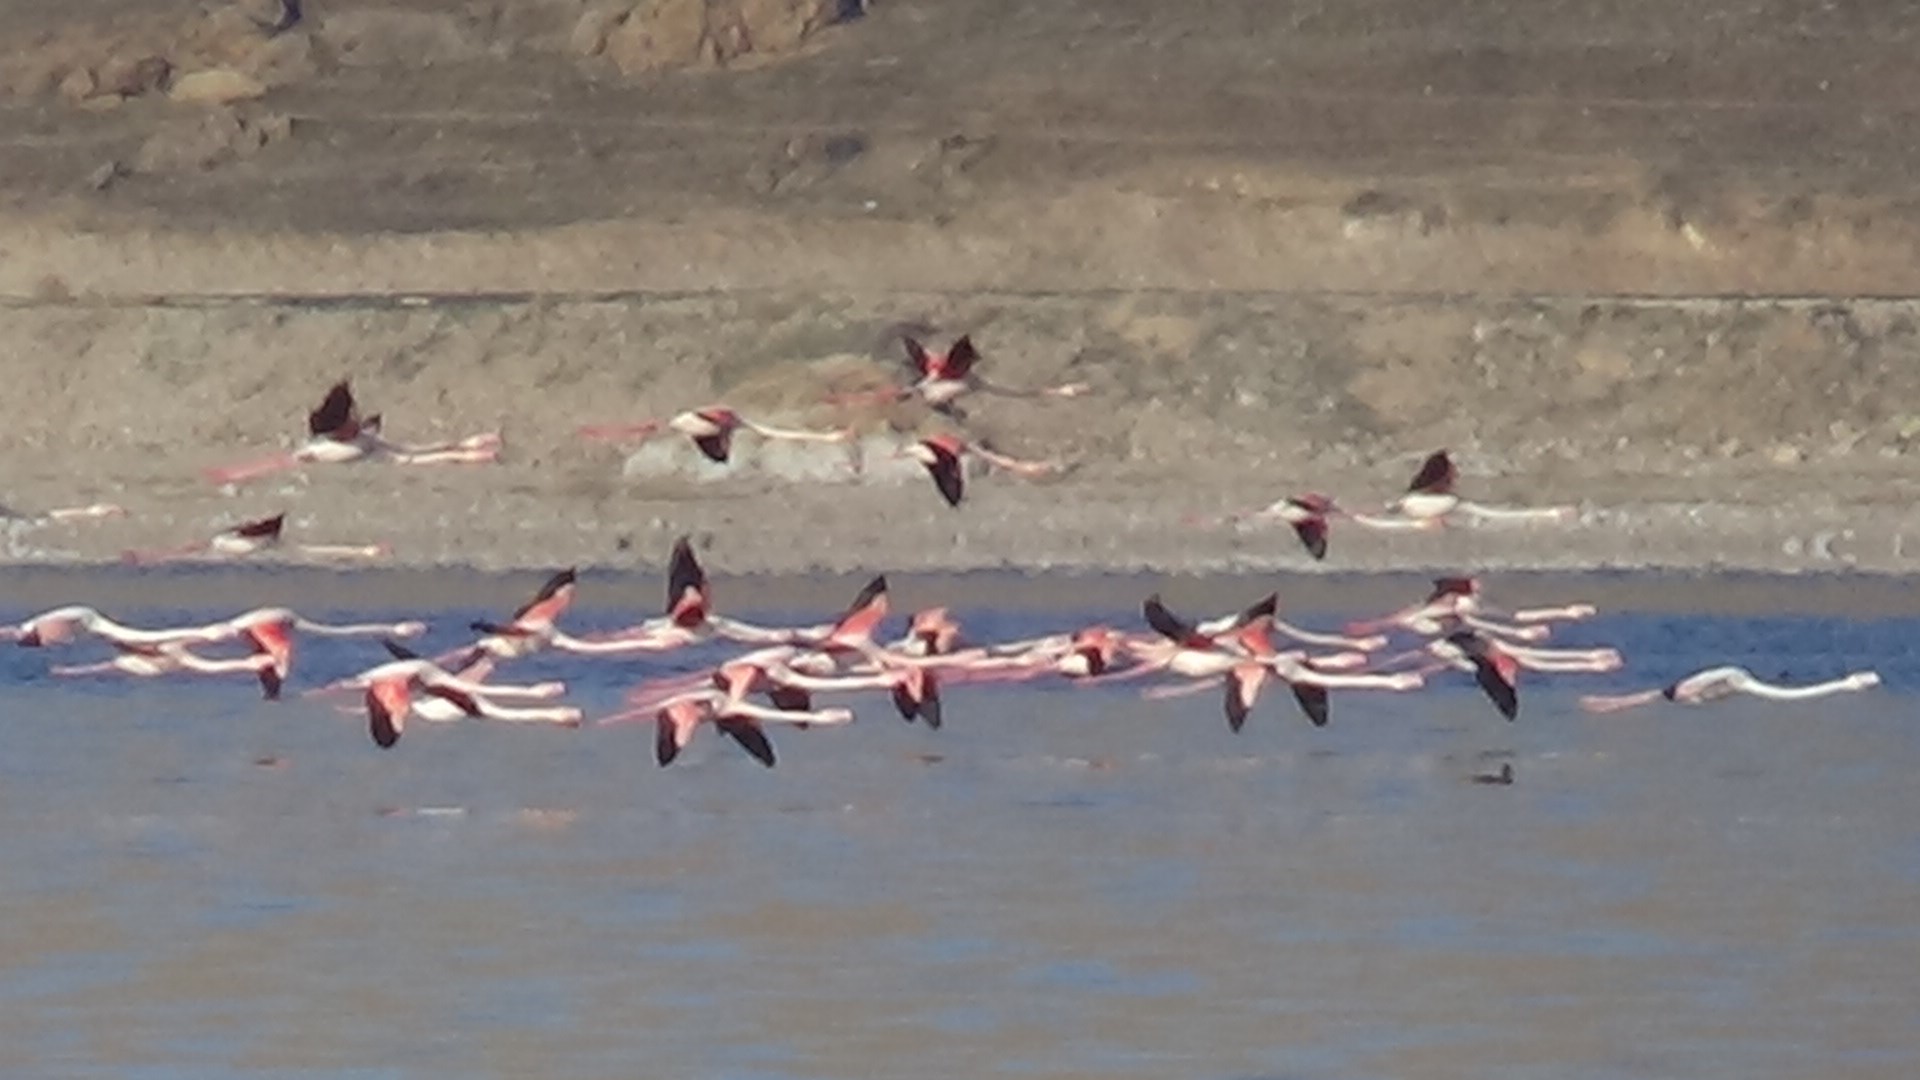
476, 666
942, 378
1461, 596
942, 454
712, 429
531, 625
1430, 497
173, 657
390, 689
688, 617
271, 630
60, 624
677, 718
1493, 667
61, 514
1717, 683
253, 537
337, 434
1311, 515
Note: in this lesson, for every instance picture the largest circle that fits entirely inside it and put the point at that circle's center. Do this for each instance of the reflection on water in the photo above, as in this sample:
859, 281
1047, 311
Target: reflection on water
1062, 883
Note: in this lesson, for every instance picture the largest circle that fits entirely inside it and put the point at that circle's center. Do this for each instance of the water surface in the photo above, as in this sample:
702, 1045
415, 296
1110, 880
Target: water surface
1062, 883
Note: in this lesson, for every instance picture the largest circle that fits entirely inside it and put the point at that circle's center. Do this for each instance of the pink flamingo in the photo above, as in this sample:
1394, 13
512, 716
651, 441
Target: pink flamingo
1430, 498
1717, 683
61, 514
941, 378
677, 718
1461, 596
253, 537
942, 455
531, 626
61, 624
712, 429
390, 689
336, 434
169, 658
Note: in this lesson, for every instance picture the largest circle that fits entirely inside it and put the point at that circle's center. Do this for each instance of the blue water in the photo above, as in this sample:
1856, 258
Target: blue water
1064, 882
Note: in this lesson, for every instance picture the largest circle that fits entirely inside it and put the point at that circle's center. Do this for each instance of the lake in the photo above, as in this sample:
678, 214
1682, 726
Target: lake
1063, 882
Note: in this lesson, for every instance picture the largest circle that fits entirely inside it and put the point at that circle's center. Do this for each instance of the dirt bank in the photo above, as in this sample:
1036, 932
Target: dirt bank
1647, 264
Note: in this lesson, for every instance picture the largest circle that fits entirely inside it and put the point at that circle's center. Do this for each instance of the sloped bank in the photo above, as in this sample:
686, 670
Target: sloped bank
1761, 434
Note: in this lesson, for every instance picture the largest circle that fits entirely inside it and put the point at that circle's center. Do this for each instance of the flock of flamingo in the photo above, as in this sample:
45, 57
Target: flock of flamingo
780, 671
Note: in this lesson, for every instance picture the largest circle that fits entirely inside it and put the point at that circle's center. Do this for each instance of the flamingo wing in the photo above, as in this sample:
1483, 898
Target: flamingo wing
918, 359
749, 735
864, 615
337, 417
1497, 672
272, 641
689, 597
1436, 475
673, 730
790, 699
550, 601
1313, 536
387, 705
960, 358
1171, 626
947, 474
1313, 702
1243, 688
263, 529
717, 447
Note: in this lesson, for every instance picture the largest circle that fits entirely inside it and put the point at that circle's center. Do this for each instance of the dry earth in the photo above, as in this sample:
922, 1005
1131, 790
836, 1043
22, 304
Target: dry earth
1652, 259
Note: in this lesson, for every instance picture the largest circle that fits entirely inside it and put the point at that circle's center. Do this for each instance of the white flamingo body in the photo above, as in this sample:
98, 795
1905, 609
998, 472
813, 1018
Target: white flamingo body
1718, 683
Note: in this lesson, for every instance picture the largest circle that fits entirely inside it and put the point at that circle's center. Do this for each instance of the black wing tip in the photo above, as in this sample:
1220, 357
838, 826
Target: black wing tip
715, 447
401, 652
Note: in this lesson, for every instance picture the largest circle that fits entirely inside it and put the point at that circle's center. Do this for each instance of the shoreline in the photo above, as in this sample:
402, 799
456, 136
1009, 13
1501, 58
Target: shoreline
610, 595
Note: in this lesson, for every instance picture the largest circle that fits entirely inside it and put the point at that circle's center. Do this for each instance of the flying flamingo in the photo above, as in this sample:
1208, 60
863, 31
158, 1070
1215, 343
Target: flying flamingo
942, 454
687, 619
1243, 656
1461, 596
60, 514
1430, 497
712, 429
61, 624
677, 718
1493, 667
253, 537
336, 434
1714, 684
1311, 515
150, 661
532, 624
390, 688
941, 379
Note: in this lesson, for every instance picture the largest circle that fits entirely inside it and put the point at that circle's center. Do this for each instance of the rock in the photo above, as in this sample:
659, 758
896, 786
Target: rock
78, 84
659, 34
663, 34
132, 77
103, 177
590, 31
215, 86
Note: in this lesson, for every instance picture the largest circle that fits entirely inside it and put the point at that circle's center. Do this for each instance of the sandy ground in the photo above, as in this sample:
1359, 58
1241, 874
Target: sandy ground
1647, 263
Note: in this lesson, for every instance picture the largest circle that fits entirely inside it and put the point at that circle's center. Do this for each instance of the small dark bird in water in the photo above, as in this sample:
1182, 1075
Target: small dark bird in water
1503, 778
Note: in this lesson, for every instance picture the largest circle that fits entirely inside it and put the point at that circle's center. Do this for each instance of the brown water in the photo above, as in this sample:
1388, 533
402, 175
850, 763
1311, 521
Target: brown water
1062, 883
